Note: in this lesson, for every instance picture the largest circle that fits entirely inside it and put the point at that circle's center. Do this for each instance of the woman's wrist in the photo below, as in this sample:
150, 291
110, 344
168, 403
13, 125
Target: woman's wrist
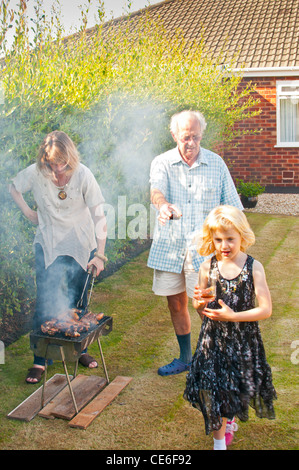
101, 256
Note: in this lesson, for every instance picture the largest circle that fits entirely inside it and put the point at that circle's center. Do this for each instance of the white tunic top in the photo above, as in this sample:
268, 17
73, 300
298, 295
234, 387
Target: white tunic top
65, 227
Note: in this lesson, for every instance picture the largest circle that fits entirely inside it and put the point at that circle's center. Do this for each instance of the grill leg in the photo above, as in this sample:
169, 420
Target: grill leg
76, 369
68, 378
45, 379
103, 360
44, 384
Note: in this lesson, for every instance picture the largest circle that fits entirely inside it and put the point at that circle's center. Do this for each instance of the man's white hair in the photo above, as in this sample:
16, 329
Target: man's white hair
179, 117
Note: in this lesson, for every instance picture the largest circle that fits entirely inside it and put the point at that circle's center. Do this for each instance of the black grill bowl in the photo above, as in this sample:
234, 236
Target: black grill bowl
47, 346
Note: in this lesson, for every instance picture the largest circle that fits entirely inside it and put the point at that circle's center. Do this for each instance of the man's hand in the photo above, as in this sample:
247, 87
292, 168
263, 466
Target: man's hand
168, 211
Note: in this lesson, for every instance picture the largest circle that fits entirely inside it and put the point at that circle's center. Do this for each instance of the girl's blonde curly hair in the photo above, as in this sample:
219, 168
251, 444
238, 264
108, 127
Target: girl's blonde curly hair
223, 218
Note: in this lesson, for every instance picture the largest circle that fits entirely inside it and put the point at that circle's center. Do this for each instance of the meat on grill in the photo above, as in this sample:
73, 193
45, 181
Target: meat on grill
70, 313
70, 325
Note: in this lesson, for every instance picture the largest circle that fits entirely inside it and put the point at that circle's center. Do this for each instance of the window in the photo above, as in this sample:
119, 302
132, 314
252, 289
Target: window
287, 110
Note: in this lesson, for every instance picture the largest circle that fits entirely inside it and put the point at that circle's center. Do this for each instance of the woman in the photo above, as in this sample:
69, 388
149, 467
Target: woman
71, 225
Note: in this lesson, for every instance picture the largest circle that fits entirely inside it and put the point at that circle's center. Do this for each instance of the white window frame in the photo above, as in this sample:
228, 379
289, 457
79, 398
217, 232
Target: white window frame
282, 94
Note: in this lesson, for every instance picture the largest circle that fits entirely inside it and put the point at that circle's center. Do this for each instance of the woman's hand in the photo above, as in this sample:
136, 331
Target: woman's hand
97, 263
22, 204
31, 215
225, 313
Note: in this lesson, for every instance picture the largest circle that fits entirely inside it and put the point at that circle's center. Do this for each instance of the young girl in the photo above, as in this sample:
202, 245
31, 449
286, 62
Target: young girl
229, 370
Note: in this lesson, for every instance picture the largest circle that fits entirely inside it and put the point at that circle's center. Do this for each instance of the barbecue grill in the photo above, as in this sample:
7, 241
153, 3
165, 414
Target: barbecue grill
68, 349
48, 346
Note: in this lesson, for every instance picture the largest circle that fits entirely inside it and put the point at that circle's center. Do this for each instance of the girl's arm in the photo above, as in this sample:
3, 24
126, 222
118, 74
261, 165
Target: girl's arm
99, 220
263, 297
22, 204
203, 275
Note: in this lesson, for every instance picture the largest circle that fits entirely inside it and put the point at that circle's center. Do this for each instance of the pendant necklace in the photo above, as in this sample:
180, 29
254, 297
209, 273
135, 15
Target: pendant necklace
62, 194
228, 286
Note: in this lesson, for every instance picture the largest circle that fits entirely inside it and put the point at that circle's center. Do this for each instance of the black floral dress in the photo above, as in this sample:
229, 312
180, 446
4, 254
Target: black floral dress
229, 370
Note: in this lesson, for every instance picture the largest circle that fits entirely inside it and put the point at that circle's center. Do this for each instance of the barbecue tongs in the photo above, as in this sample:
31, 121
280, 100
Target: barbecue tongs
91, 271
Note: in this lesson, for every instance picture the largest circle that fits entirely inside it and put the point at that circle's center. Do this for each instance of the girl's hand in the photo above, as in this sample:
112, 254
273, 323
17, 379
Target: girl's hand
225, 313
196, 294
198, 302
199, 295
202, 296
98, 263
199, 305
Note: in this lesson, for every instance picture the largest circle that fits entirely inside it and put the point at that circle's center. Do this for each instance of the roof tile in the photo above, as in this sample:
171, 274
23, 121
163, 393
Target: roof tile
265, 32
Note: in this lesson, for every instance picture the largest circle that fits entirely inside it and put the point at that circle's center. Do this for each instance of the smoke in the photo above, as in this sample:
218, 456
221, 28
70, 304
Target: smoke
124, 134
119, 140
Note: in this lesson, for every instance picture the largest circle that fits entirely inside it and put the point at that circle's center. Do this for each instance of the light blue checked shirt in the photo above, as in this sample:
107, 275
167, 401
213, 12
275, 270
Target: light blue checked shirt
195, 191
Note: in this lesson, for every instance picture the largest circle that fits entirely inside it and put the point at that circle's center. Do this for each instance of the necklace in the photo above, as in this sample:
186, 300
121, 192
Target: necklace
230, 285
62, 194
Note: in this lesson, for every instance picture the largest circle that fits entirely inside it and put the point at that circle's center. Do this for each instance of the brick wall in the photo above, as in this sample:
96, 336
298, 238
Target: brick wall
256, 157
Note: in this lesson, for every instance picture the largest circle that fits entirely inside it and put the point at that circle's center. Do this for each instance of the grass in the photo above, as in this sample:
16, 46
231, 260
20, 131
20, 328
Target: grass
151, 413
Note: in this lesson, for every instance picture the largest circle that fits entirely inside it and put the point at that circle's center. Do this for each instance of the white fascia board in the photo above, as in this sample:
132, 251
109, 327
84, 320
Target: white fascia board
268, 71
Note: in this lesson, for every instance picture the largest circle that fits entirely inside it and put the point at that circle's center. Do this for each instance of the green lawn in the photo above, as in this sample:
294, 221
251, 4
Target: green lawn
151, 413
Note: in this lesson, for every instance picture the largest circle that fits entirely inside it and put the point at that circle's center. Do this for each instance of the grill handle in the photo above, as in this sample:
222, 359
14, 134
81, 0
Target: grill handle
92, 270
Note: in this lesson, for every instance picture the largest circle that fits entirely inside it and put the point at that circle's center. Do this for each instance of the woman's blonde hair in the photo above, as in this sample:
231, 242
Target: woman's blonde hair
57, 147
224, 217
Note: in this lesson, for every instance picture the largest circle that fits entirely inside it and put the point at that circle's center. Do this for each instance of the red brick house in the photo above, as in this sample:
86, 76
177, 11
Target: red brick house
265, 35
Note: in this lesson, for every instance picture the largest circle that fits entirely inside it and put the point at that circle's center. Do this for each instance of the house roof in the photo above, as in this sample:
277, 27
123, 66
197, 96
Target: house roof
263, 33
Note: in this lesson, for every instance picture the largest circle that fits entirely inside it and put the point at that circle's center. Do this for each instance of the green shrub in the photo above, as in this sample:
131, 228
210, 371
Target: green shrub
249, 189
